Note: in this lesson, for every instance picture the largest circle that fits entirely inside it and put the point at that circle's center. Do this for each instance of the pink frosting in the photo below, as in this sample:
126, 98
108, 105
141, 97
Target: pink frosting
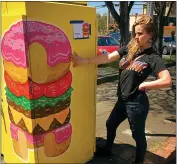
61, 134
16, 41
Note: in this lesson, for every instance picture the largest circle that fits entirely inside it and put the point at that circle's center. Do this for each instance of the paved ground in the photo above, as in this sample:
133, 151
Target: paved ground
160, 126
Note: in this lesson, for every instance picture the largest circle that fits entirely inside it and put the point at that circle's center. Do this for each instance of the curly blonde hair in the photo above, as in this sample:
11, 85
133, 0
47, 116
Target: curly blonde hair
147, 23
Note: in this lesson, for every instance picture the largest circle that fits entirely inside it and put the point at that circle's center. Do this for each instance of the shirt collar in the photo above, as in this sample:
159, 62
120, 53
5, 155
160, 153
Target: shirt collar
147, 51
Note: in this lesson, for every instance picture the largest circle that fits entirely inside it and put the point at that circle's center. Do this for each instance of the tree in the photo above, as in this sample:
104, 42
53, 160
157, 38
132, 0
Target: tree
160, 10
101, 23
123, 19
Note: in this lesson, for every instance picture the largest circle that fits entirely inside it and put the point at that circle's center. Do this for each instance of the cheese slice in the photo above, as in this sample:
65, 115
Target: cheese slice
44, 122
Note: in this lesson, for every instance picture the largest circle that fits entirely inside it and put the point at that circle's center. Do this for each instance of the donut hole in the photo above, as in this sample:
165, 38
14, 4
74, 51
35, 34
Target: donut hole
38, 63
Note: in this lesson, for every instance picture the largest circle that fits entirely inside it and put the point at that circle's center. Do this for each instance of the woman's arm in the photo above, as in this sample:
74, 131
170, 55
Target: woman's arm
102, 59
164, 81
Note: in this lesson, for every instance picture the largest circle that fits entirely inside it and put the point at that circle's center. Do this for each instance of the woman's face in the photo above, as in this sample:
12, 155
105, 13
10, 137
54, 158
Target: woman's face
142, 37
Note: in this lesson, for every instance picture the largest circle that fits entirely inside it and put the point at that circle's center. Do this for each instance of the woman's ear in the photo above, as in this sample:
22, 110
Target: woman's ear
150, 41
151, 35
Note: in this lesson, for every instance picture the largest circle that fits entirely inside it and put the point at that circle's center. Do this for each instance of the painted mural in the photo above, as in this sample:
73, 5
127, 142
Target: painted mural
38, 88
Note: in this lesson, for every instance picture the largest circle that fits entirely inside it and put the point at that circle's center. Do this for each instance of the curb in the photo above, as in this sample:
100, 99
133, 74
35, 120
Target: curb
170, 64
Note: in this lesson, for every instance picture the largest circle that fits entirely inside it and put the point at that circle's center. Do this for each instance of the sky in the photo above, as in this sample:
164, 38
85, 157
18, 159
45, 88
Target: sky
137, 7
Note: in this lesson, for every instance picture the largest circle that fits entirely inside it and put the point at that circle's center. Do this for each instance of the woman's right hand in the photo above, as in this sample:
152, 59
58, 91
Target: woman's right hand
78, 60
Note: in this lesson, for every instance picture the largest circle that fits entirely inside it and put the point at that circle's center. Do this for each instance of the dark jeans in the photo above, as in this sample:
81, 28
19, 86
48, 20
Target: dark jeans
136, 111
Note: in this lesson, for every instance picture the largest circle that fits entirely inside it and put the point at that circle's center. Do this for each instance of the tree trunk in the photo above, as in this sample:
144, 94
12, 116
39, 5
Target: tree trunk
122, 20
124, 23
160, 35
113, 12
160, 24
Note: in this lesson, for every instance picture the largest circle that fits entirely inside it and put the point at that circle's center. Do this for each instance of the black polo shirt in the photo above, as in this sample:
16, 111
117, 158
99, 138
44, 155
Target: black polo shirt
131, 75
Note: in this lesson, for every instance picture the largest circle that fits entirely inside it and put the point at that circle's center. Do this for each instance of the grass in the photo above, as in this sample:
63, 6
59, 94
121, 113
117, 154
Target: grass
167, 60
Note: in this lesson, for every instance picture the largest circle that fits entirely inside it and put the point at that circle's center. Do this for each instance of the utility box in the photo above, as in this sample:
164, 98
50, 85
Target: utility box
48, 108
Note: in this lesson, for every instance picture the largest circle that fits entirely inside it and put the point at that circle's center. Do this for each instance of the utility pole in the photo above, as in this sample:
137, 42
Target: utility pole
108, 19
150, 8
136, 14
172, 43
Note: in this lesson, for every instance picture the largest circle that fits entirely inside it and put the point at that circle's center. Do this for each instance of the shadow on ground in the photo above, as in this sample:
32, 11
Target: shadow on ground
125, 153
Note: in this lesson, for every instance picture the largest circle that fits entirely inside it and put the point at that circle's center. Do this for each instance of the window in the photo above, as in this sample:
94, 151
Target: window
107, 41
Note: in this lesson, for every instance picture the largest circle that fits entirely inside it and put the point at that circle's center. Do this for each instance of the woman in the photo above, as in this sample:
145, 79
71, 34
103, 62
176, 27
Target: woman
137, 61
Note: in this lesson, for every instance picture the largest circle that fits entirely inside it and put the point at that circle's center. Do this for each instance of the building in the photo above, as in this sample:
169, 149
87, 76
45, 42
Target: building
170, 23
132, 20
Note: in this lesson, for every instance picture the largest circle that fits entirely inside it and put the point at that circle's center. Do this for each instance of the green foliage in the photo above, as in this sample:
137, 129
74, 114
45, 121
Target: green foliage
101, 23
167, 59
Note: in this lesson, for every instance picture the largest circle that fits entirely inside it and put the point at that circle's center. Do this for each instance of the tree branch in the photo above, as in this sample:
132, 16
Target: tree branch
171, 5
169, 10
130, 6
157, 7
113, 12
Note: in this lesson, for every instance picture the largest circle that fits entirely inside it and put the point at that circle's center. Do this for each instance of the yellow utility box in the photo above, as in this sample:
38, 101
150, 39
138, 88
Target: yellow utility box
48, 107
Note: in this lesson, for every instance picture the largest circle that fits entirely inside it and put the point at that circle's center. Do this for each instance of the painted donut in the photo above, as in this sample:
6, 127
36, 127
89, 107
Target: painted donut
36, 50
59, 138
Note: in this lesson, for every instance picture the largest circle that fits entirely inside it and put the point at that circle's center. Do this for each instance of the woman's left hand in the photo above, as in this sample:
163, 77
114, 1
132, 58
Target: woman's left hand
78, 60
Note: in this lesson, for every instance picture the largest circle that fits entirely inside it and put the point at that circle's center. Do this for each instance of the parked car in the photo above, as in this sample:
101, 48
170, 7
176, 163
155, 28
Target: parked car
115, 35
106, 45
166, 46
167, 38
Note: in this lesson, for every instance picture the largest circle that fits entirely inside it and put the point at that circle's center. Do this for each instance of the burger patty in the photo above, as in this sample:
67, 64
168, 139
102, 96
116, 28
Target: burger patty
40, 112
38, 129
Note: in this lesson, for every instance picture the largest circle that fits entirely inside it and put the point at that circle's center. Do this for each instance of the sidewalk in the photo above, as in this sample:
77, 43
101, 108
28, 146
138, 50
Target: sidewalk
160, 126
